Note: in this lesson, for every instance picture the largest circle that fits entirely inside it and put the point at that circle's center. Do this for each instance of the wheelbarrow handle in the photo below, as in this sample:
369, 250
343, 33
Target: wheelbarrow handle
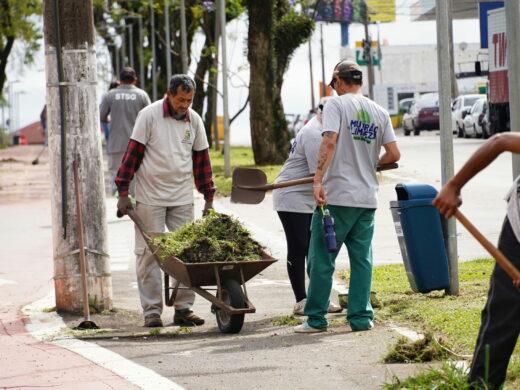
138, 222
500, 258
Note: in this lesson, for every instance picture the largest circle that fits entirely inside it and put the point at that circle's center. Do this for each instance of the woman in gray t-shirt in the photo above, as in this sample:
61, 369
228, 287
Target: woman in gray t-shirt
296, 204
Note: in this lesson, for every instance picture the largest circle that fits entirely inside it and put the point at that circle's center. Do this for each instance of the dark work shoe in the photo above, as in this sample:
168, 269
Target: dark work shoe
186, 317
153, 321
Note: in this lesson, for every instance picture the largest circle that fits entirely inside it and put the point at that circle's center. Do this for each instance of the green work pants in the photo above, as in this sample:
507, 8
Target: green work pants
354, 227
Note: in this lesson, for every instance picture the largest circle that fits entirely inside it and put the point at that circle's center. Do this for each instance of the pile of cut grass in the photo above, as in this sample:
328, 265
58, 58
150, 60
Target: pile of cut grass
213, 238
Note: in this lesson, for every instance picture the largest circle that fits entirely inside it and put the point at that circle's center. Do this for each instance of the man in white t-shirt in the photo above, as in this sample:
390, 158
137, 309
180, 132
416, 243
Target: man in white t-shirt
168, 143
354, 130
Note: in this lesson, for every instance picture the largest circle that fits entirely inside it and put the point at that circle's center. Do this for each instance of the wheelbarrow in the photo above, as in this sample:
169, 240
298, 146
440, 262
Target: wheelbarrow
230, 303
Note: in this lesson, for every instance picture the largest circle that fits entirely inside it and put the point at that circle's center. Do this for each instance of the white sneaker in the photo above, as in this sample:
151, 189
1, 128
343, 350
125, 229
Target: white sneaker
306, 328
299, 307
333, 308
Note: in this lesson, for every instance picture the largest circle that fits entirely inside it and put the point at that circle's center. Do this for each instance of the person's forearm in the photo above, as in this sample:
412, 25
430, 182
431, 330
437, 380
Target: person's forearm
327, 148
484, 156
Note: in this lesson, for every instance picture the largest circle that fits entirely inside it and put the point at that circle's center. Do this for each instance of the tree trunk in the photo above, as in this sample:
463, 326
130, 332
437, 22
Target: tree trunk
269, 136
4, 55
83, 144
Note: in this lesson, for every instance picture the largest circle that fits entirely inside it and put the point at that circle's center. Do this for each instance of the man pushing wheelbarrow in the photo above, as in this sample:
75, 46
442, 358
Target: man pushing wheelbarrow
168, 142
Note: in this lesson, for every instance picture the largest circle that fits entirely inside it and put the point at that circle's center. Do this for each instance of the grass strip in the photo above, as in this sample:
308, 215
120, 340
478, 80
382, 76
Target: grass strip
455, 319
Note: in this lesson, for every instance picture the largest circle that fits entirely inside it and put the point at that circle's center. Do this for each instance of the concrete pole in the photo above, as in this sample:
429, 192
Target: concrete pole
313, 102
227, 163
444, 72
70, 64
154, 65
513, 65
141, 53
168, 40
184, 44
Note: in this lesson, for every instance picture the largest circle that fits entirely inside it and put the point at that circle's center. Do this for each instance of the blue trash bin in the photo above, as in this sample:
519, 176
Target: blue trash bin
419, 231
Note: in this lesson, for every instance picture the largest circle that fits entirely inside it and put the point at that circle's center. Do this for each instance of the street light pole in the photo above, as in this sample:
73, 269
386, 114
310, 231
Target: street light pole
168, 40
184, 44
313, 102
324, 85
444, 72
227, 163
154, 75
368, 59
141, 52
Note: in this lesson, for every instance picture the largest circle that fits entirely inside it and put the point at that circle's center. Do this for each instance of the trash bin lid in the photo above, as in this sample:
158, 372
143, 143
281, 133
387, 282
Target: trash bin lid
410, 191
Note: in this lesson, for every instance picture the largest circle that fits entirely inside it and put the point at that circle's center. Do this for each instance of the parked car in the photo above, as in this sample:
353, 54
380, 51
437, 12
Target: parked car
472, 124
425, 113
460, 107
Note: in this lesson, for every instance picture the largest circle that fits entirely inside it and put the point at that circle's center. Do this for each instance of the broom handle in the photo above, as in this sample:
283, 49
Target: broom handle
79, 228
506, 265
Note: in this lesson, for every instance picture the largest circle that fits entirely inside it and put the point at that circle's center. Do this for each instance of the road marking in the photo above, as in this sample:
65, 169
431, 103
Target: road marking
5, 281
44, 325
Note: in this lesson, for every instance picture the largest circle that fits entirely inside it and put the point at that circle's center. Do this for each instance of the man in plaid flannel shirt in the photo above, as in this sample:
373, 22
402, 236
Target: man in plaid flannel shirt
168, 143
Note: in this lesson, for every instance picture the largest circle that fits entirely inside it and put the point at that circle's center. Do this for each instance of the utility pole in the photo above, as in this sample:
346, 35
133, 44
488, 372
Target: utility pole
154, 65
324, 84
444, 72
513, 64
70, 63
313, 102
227, 163
367, 50
184, 43
168, 40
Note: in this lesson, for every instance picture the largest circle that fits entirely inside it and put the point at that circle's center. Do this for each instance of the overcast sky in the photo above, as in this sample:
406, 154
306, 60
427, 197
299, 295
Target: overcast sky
296, 88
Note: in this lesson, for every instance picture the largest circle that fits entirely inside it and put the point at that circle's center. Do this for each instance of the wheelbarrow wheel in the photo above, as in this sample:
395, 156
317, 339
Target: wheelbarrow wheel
232, 295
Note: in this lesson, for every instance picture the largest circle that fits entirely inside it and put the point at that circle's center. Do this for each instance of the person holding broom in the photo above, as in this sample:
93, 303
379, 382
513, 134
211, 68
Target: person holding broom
500, 320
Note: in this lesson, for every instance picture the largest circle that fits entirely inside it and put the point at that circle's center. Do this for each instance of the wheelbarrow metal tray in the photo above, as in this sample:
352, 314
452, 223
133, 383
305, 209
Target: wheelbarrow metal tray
203, 274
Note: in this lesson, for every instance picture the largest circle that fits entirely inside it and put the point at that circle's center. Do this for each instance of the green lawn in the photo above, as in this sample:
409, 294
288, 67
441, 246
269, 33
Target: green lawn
454, 319
240, 157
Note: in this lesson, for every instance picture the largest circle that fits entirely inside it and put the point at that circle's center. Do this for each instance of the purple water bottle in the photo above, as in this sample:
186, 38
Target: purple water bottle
330, 234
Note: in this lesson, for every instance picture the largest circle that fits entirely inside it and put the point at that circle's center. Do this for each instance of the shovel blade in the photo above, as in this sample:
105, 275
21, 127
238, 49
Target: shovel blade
247, 177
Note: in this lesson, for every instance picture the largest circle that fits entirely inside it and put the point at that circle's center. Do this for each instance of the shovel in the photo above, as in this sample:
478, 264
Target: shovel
500, 258
86, 323
250, 184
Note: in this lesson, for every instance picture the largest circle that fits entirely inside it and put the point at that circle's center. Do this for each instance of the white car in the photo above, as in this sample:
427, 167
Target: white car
472, 124
460, 107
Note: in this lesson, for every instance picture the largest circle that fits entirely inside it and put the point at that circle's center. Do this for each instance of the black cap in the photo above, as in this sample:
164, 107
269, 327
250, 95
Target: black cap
128, 75
349, 71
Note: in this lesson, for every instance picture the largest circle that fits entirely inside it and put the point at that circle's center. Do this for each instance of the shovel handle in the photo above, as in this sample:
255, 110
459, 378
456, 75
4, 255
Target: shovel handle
504, 263
305, 180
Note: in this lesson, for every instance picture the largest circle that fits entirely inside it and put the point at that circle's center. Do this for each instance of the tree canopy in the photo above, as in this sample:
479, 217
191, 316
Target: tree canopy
18, 22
